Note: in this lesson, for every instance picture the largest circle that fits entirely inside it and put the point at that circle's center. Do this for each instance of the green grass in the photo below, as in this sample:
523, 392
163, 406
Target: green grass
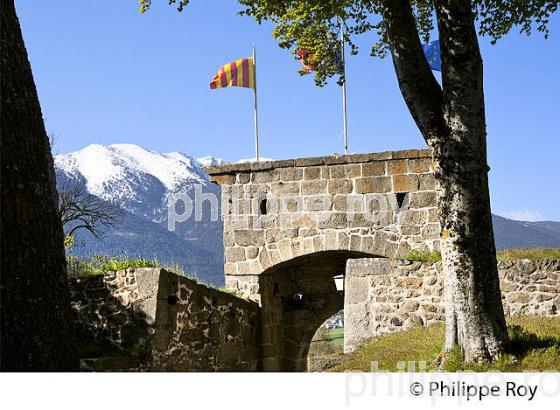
533, 254
417, 344
422, 256
100, 264
337, 336
503, 255
327, 342
534, 346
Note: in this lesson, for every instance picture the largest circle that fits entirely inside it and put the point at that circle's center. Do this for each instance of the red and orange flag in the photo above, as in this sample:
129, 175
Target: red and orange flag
305, 57
240, 73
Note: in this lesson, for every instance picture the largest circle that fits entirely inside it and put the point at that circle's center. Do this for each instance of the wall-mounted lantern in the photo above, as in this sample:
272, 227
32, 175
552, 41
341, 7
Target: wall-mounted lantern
339, 282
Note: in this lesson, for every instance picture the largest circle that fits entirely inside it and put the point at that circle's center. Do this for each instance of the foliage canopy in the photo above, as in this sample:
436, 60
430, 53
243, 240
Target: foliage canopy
315, 25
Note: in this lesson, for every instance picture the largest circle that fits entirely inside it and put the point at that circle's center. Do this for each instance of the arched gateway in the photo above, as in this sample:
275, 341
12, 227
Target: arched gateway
290, 226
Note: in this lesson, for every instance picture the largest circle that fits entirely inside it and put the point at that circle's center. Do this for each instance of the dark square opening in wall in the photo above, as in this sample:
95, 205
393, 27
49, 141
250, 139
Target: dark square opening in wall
262, 206
401, 196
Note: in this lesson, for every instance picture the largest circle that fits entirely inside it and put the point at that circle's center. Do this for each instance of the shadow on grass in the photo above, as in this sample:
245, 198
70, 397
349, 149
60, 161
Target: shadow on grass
521, 342
525, 351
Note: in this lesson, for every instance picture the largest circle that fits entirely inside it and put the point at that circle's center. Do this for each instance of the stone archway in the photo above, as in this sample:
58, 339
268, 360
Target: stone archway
296, 297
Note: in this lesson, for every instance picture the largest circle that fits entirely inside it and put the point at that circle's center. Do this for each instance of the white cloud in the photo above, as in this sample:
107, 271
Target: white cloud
523, 215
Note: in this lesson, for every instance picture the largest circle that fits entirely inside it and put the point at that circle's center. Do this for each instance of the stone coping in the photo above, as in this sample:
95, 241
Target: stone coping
317, 161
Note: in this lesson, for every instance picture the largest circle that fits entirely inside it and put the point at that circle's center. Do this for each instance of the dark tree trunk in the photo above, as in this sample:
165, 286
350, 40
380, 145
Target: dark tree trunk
453, 123
35, 327
475, 316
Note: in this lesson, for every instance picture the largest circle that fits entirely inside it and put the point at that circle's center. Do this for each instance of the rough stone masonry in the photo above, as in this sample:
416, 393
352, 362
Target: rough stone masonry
387, 296
380, 204
166, 322
290, 226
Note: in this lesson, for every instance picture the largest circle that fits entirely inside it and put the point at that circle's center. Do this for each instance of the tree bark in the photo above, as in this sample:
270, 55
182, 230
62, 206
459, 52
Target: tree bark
35, 306
454, 126
475, 318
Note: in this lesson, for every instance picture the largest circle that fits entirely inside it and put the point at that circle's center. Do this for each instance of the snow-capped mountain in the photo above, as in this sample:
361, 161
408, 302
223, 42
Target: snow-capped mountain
133, 177
140, 182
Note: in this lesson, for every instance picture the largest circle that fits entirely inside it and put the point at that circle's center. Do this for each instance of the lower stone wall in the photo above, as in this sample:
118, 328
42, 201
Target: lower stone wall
107, 317
204, 329
385, 296
165, 321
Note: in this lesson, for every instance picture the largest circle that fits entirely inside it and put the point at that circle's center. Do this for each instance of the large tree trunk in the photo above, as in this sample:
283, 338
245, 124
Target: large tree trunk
35, 327
474, 312
453, 123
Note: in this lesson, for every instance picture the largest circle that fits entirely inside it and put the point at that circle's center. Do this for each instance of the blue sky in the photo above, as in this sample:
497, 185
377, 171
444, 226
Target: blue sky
107, 74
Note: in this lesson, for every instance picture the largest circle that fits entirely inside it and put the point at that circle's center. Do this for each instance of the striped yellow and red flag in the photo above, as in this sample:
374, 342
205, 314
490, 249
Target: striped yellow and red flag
240, 73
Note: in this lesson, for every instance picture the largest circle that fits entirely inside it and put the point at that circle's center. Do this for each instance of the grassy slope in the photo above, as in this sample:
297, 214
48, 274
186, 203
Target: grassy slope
503, 255
534, 345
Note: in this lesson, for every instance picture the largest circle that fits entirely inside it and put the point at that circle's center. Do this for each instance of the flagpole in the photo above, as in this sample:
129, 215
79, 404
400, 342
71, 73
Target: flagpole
344, 91
256, 109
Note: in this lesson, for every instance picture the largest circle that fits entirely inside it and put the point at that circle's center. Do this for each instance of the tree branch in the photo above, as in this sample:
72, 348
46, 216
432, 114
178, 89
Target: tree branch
417, 83
462, 75
80, 210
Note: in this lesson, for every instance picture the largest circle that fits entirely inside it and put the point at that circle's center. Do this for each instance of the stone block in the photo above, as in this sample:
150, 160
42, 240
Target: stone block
337, 172
353, 170
340, 203
396, 167
431, 230
335, 159
319, 243
423, 199
373, 184
519, 297
291, 174
335, 220
433, 215
331, 240
302, 221
234, 254
410, 305
311, 173
243, 178
427, 182
264, 177
291, 205
307, 246
314, 187
419, 166
277, 235
339, 186
371, 169
248, 237
251, 252
405, 183
343, 240
307, 162
305, 232
285, 249
317, 203
223, 179
230, 268
356, 289
285, 188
